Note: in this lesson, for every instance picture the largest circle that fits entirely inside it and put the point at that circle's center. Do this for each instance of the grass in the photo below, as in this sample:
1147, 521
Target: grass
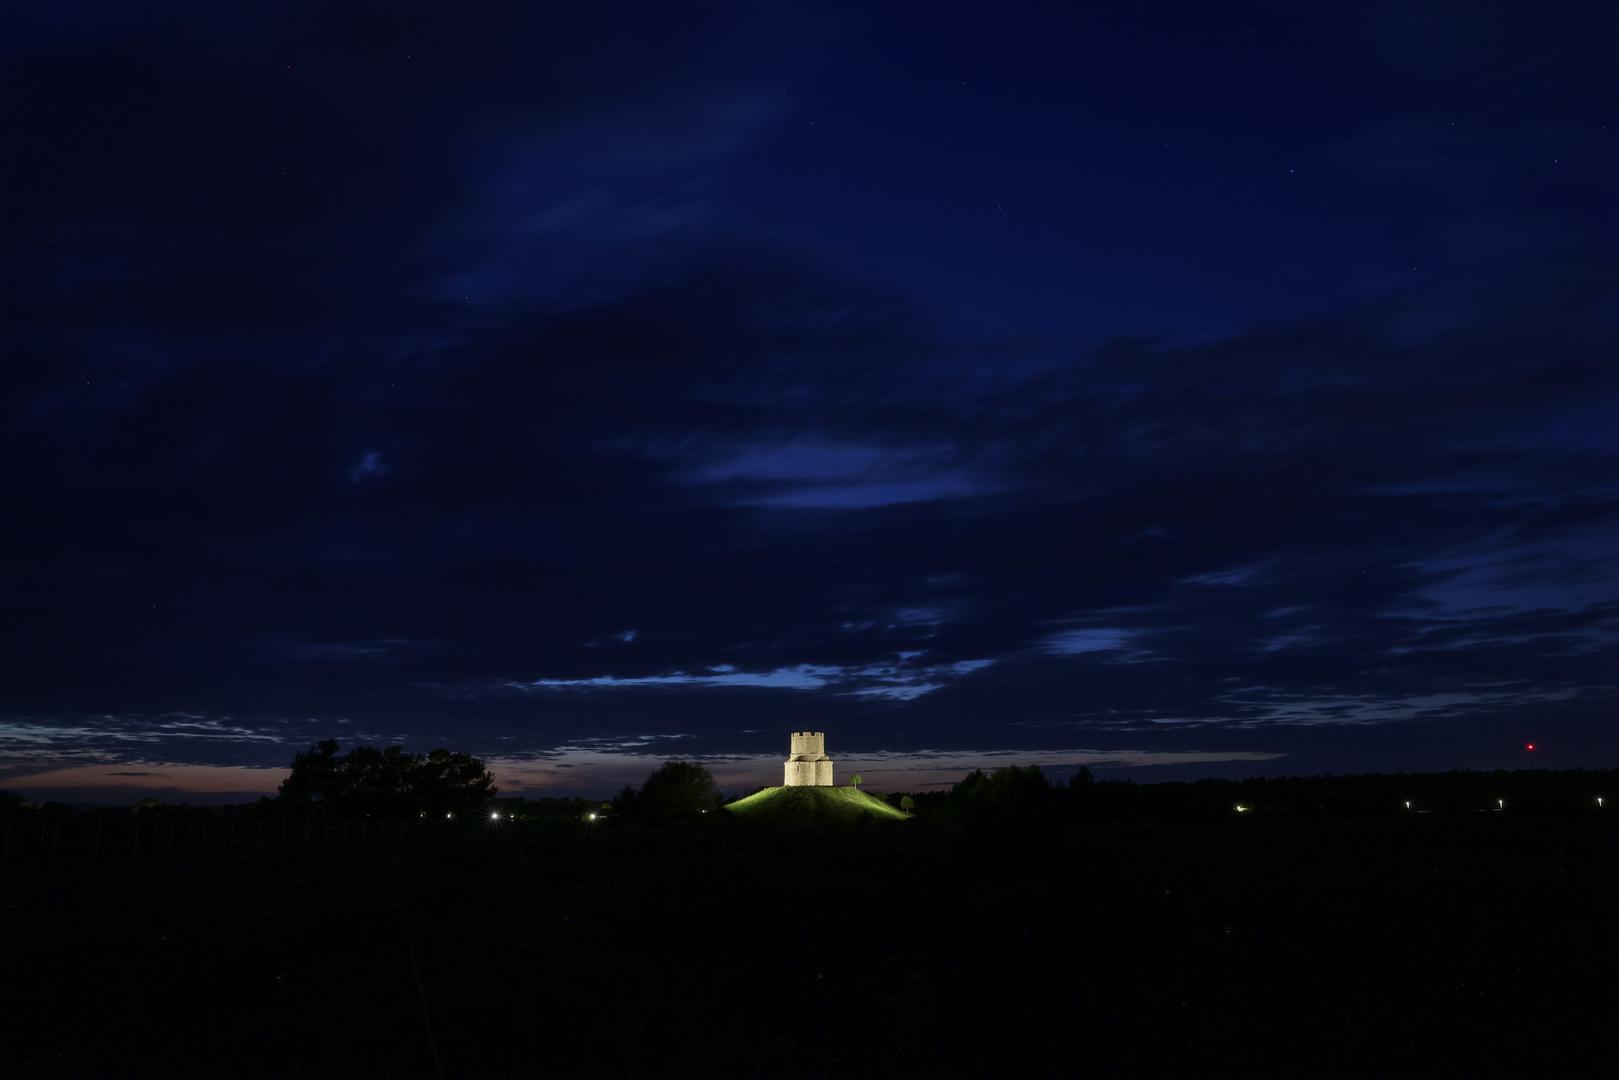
813, 806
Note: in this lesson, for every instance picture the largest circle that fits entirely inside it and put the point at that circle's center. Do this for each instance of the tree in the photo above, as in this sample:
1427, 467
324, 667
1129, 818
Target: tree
856, 780
907, 804
678, 789
1010, 791
627, 803
445, 782
314, 777
387, 782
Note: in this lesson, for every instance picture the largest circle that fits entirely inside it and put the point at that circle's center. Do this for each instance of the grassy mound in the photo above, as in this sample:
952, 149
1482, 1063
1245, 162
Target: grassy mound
813, 806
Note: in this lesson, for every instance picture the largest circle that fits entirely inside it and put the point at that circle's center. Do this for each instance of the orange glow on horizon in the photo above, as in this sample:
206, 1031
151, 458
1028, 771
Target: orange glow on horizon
586, 772
198, 779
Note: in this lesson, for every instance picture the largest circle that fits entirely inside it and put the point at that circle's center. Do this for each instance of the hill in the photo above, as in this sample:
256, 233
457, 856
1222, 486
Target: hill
813, 806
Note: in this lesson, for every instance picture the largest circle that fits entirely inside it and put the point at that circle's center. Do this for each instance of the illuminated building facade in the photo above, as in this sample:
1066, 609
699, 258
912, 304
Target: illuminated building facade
808, 766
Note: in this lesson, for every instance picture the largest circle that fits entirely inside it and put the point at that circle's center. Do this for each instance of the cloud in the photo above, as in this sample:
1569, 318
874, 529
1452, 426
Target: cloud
901, 680
821, 475
1119, 517
1086, 639
370, 464
520, 425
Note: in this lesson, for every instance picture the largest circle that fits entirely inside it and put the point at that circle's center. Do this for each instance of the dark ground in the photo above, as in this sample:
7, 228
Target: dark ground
1466, 945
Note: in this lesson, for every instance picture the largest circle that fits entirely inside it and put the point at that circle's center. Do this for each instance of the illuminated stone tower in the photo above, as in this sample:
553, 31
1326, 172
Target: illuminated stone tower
809, 766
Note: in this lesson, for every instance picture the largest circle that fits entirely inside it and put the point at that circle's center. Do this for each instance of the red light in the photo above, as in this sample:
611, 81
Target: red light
1528, 746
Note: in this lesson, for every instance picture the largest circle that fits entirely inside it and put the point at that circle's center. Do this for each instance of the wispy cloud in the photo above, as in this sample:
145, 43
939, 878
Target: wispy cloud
817, 474
902, 679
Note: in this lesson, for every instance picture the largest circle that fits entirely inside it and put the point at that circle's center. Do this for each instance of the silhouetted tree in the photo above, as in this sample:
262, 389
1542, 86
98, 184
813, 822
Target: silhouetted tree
387, 782
445, 781
627, 803
314, 776
1010, 791
678, 789
907, 804
856, 780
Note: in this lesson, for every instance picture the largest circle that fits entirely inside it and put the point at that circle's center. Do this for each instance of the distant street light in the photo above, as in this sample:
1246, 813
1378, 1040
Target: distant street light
1500, 804
1241, 809
1599, 802
1408, 804
494, 815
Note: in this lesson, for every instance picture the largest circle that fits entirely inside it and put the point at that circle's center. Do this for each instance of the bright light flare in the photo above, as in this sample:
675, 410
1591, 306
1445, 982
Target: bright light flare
1529, 746
591, 816
494, 815
1241, 809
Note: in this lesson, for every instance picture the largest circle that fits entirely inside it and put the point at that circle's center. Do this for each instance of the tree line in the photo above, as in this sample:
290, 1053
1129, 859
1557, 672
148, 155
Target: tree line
1015, 791
391, 783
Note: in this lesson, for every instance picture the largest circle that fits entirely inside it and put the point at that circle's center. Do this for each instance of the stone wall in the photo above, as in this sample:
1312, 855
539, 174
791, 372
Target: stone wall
800, 773
808, 745
808, 766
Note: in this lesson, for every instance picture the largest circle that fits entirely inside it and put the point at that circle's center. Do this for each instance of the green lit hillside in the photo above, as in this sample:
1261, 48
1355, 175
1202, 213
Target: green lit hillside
813, 806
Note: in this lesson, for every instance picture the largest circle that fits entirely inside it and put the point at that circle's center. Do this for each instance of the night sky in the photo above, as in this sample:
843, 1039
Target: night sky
1178, 390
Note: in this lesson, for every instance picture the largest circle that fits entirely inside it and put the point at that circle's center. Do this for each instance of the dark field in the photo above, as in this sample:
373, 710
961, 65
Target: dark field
1468, 944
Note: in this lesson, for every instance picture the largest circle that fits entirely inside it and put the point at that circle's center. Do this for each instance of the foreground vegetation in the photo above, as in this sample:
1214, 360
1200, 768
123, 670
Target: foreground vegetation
999, 932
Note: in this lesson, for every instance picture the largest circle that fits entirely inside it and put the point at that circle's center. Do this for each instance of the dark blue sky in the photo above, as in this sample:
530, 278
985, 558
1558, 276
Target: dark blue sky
1176, 390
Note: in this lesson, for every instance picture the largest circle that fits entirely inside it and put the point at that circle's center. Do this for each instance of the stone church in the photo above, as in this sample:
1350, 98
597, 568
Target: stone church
809, 766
